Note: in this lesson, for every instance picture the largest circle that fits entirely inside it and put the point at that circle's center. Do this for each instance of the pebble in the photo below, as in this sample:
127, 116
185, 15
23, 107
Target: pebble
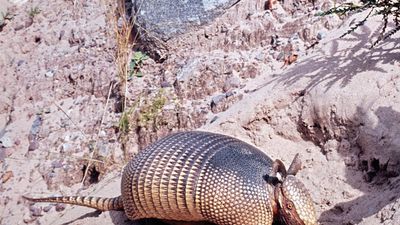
321, 35
103, 150
6, 142
20, 62
49, 73
214, 119
36, 125
30, 220
60, 207
217, 99
231, 82
47, 208
7, 176
56, 164
33, 145
35, 211
65, 147
165, 84
230, 93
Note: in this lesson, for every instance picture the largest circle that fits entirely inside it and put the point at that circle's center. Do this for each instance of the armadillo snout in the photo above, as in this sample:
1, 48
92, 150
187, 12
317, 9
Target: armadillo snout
295, 191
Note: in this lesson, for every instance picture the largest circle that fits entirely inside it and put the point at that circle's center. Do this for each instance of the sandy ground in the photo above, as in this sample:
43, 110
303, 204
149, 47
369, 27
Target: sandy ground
338, 106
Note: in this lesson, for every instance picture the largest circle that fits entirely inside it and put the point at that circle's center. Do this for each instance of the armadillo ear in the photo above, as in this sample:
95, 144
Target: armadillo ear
295, 166
278, 167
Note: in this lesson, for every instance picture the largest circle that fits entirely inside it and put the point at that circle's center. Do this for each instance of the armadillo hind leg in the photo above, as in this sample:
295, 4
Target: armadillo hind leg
103, 204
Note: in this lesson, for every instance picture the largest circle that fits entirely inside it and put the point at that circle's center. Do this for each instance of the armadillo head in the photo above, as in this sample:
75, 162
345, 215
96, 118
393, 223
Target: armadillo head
294, 205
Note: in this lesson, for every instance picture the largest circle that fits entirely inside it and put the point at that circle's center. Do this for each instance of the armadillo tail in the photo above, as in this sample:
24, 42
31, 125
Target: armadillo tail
103, 204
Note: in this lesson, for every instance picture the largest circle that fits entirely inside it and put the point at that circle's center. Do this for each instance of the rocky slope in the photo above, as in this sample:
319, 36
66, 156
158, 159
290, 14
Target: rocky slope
337, 105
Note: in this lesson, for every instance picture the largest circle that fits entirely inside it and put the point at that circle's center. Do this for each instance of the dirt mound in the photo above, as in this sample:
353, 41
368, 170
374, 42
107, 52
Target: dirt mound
338, 106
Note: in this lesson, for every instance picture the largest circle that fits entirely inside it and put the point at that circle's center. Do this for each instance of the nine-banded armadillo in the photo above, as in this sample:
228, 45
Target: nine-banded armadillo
202, 176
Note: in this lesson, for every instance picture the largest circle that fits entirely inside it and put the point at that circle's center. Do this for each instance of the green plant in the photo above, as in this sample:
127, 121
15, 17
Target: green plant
148, 113
136, 63
123, 124
385, 8
34, 11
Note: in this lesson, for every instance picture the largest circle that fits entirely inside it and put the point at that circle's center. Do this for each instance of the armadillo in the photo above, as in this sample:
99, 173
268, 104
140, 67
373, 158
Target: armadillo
203, 176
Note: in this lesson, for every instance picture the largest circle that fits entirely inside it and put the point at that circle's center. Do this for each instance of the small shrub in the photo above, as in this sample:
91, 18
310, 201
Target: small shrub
136, 63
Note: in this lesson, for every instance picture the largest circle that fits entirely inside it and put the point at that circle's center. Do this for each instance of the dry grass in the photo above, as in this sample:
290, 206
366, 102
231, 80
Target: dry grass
122, 26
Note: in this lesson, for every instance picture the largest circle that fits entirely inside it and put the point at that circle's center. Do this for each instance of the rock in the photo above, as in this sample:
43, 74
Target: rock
187, 72
330, 149
35, 211
33, 145
29, 220
57, 164
65, 147
6, 142
7, 176
217, 99
321, 34
165, 84
164, 19
60, 207
213, 119
47, 208
49, 73
103, 151
231, 82
230, 93
20, 62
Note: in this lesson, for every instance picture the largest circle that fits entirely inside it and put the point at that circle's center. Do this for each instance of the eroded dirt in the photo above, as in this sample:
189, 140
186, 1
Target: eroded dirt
337, 104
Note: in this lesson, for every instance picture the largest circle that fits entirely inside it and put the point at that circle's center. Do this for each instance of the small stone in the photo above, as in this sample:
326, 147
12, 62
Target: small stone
47, 208
49, 73
217, 99
17, 142
260, 56
344, 146
30, 220
33, 145
20, 62
60, 207
56, 164
6, 142
18, 26
231, 82
321, 35
275, 42
213, 119
102, 133
47, 110
28, 22
280, 56
350, 160
7, 176
294, 38
35, 211
165, 84
65, 147
230, 93
102, 150
67, 138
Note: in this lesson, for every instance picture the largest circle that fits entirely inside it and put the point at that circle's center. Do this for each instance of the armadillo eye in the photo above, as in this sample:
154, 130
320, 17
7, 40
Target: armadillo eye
289, 205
